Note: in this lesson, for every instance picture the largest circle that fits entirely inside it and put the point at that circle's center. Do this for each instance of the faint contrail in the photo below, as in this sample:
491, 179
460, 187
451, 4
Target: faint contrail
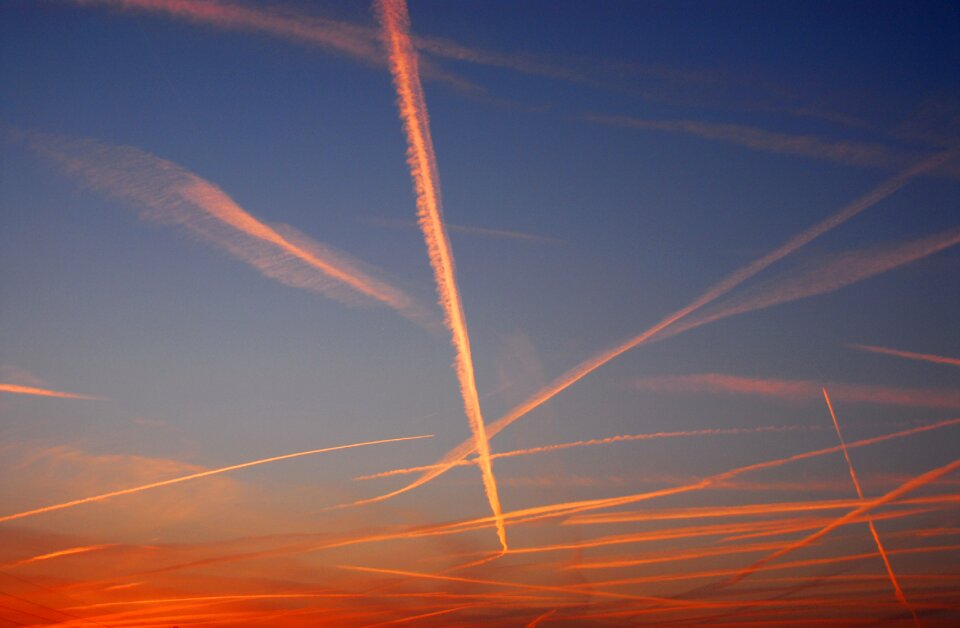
471, 230
42, 392
906, 487
541, 618
175, 196
423, 168
909, 355
850, 152
823, 277
873, 529
580, 371
58, 554
195, 476
800, 389
597, 441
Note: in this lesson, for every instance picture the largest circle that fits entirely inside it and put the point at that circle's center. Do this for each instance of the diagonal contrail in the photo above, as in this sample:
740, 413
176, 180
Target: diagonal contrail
196, 476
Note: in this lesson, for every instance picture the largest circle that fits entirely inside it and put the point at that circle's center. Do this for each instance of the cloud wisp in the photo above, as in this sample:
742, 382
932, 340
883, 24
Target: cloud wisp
174, 196
395, 20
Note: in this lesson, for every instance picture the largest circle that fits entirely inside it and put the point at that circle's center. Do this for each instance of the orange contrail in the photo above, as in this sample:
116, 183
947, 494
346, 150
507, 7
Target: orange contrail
580, 371
800, 389
66, 552
175, 196
867, 506
738, 511
42, 392
873, 529
596, 441
395, 21
541, 618
195, 476
909, 355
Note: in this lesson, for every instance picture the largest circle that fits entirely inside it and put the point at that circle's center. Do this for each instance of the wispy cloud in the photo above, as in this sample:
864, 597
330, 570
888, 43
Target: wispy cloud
172, 195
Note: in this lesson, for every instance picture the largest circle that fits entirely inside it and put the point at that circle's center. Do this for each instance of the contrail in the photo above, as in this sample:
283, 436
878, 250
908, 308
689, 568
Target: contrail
537, 513
740, 511
580, 371
800, 389
873, 529
43, 392
849, 152
906, 487
541, 618
471, 230
596, 441
395, 22
824, 277
195, 476
58, 554
909, 355
175, 196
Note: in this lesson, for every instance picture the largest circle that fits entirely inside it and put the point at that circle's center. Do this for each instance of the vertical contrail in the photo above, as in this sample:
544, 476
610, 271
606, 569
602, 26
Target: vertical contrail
873, 529
395, 23
874, 196
909, 355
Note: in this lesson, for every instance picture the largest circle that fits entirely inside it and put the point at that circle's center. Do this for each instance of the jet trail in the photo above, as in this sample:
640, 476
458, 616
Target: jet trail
195, 476
906, 487
395, 23
596, 441
58, 554
175, 196
873, 529
874, 196
909, 355
42, 392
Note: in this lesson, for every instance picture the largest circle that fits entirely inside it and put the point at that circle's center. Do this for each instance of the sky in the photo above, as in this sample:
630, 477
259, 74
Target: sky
479, 313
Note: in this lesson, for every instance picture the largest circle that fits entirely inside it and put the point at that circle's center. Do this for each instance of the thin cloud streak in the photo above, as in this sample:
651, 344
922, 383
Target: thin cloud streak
395, 21
175, 196
874, 196
873, 529
17, 389
800, 389
196, 476
909, 355
849, 152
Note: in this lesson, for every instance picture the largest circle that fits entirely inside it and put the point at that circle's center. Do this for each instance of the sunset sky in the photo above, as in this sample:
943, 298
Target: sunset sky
479, 313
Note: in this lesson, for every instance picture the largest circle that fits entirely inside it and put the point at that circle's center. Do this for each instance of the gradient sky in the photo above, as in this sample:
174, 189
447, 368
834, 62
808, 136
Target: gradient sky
602, 165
